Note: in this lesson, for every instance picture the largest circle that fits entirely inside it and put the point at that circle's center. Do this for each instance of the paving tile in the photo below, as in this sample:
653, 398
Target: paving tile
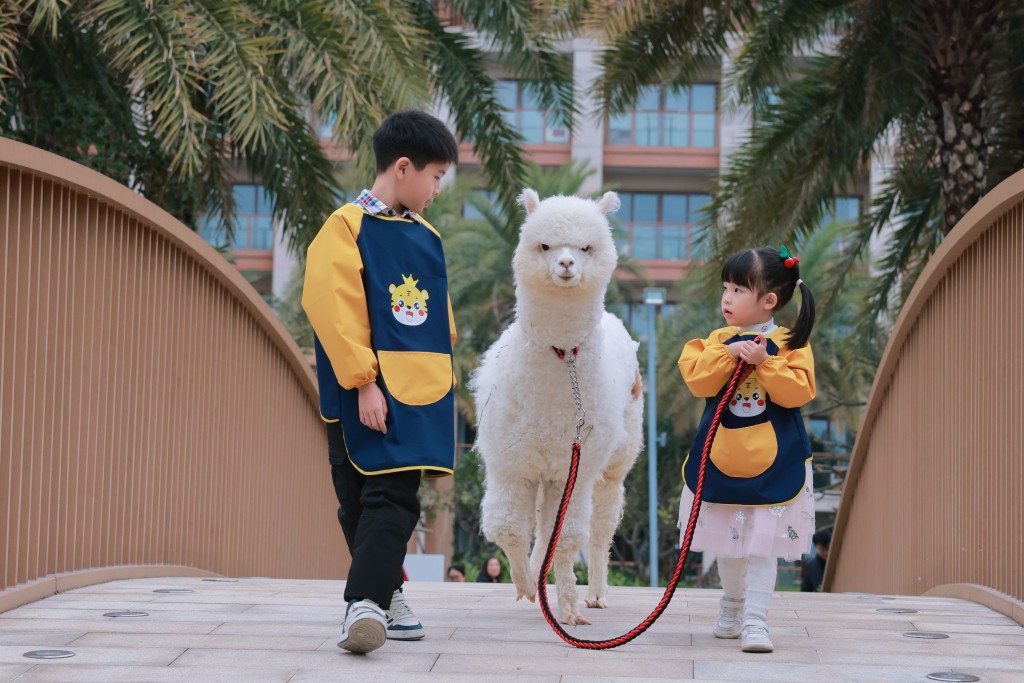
389, 658
278, 630
107, 624
189, 641
40, 639
593, 664
8, 672
71, 673
326, 676
758, 669
10, 654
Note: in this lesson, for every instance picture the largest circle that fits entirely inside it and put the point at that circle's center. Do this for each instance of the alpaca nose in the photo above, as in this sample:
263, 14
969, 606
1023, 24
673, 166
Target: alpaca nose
566, 261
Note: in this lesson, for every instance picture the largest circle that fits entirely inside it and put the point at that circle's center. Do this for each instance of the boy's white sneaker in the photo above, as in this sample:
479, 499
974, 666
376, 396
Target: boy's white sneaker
755, 639
730, 618
402, 623
365, 627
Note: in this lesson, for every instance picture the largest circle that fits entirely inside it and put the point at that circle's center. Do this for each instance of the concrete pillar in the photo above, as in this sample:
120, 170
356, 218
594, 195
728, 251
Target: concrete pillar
284, 266
588, 131
734, 120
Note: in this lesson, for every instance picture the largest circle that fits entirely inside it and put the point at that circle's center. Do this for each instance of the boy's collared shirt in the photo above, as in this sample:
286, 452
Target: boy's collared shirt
375, 207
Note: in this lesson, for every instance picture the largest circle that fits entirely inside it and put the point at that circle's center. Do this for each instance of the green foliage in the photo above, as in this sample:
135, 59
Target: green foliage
160, 95
935, 85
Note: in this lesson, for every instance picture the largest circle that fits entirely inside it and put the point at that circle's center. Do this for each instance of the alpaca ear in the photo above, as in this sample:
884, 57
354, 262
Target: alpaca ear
529, 200
609, 203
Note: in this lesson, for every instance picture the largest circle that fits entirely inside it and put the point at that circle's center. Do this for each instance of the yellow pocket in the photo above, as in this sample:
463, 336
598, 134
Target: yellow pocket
416, 378
745, 452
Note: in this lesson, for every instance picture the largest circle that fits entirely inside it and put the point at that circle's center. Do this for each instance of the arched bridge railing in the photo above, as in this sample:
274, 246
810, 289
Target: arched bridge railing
155, 417
934, 499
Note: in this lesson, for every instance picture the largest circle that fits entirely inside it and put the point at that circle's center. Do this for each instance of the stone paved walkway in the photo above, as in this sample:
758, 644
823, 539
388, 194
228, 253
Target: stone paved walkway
285, 630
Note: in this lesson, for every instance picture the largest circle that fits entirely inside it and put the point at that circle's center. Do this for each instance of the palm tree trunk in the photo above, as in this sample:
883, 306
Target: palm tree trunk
960, 39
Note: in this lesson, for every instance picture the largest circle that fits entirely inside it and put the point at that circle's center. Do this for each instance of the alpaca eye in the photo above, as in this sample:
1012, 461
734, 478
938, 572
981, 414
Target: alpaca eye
544, 247
586, 248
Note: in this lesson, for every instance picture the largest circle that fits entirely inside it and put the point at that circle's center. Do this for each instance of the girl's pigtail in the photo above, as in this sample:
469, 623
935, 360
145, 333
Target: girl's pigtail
801, 332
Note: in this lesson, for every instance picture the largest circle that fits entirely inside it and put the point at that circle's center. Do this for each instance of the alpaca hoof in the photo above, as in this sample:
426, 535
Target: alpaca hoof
520, 595
596, 603
575, 620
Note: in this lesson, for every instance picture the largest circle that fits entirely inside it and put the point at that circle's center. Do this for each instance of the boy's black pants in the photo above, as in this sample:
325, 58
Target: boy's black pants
378, 514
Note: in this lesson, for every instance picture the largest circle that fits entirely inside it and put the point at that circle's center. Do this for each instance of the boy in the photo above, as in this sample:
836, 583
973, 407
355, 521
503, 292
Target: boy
376, 293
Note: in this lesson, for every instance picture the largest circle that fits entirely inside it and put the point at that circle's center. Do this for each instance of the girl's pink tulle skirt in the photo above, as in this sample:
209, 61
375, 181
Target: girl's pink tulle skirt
782, 531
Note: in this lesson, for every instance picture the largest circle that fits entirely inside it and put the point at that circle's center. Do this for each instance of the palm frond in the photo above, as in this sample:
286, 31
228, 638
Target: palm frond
152, 45
470, 90
10, 41
517, 28
46, 14
781, 30
816, 139
662, 42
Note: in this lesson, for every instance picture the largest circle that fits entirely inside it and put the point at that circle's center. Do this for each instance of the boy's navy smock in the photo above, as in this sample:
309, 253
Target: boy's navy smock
376, 294
761, 448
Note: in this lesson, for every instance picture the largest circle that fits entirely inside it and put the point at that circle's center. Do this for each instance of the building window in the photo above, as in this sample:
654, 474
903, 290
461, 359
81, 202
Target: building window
252, 224
524, 113
664, 226
635, 315
487, 198
681, 117
847, 211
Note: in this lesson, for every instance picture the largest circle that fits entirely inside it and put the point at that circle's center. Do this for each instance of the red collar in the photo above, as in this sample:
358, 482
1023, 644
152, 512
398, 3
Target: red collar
561, 352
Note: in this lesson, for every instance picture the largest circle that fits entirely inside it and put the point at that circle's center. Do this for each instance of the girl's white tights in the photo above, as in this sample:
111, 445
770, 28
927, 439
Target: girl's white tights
752, 579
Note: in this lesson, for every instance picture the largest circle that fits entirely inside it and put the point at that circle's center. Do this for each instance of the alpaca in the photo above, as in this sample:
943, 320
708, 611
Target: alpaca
526, 415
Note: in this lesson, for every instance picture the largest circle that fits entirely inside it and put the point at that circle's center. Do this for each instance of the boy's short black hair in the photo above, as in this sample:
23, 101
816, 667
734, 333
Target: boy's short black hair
417, 135
823, 537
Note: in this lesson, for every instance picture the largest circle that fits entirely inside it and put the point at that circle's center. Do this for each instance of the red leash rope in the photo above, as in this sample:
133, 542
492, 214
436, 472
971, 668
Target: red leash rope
741, 372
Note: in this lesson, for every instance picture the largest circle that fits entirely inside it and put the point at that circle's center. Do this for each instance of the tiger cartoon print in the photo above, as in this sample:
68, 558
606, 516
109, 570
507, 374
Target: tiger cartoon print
408, 303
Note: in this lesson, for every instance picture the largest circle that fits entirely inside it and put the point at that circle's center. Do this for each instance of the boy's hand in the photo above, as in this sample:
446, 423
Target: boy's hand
752, 352
373, 409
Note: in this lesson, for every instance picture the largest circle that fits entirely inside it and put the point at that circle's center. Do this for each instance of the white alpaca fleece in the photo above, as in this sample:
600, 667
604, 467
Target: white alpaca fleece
526, 415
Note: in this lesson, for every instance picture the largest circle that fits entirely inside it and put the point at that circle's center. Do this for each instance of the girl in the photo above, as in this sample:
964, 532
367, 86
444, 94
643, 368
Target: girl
757, 504
490, 572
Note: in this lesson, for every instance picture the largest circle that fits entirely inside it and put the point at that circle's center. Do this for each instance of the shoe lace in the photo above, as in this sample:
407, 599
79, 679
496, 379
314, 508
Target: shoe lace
399, 610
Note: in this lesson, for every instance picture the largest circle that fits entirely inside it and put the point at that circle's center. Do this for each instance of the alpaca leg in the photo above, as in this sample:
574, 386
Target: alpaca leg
608, 496
506, 523
548, 501
573, 536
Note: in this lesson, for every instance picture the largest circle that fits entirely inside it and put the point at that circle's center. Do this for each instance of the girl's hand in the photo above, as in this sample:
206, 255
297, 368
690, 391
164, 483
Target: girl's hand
735, 348
753, 352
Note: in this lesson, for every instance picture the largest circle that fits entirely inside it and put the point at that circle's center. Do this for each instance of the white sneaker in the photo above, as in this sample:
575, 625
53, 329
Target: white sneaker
755, 639
730, 618
402, 623
365, 627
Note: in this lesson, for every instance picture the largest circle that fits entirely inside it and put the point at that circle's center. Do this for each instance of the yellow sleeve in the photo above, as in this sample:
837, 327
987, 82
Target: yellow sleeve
451, 322
335, 301
706, 365
789, 377
451, 326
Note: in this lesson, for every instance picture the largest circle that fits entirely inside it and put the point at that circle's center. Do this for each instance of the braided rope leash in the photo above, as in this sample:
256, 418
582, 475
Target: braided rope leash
743, 369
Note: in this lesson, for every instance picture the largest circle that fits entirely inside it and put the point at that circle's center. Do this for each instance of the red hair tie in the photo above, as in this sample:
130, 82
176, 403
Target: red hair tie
787, 260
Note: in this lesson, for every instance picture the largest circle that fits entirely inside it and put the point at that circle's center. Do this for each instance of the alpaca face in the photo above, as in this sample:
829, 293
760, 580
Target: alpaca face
566, 243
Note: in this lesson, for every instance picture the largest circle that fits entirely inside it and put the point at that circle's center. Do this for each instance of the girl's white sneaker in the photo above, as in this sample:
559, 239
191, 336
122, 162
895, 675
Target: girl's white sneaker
730, 618
755, 639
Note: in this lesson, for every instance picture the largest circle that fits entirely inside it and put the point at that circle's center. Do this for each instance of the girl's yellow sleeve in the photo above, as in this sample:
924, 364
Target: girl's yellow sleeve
706, 365
335, 301
789, 377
